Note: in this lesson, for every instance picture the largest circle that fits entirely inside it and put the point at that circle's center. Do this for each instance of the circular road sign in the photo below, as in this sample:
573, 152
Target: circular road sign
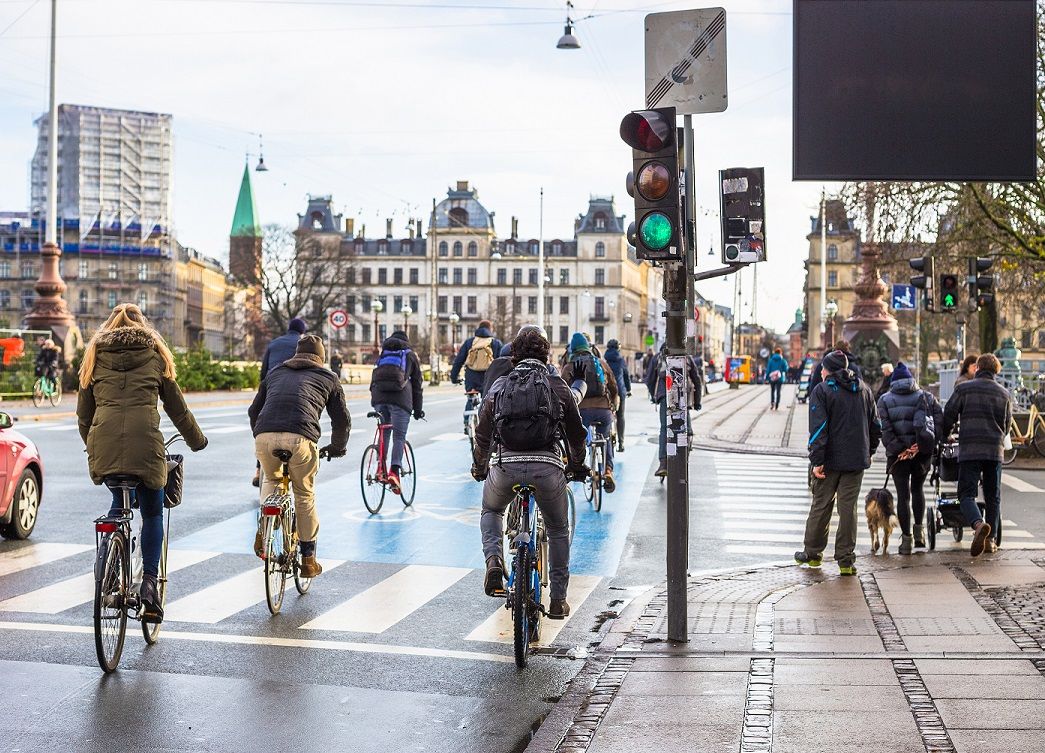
338, 319
764, 353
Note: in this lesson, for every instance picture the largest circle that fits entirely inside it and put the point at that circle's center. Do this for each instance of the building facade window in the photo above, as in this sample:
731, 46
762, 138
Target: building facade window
352, 334
531, 304
397, 303
502, 276
5, 270
600, 221
413, 306
457, 276
351, 276
382, 276
111, 299
473, 304
82, 269
143, 302
114, 271
365, 333
533, 248
350, 304
443, 248
517, 277
600, 250
556, 248
533, 276
28, 270
397, 276
549, 305
5, 299
473, 248
473, 276
600, 276
366, 275
444, 276
27, 299
564, 277
458, 248
832, 252
600, 306
382, 248
83, 301
442, 304
832, 279
564, 334
564, 304
405, 248
457, 304
414, 276
364, 303
600, 334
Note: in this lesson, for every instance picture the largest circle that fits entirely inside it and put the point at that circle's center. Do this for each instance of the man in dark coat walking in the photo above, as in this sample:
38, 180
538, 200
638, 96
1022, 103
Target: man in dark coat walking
984, 409
818, 371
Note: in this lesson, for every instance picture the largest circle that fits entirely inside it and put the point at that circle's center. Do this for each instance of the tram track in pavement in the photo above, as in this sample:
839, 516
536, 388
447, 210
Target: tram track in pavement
736, 404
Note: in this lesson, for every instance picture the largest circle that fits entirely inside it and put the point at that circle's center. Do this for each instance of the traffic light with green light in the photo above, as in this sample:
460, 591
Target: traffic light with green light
924, 281
654, 183
949, 287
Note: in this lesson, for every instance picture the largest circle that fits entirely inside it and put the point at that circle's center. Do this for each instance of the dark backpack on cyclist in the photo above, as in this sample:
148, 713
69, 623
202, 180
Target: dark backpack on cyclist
391, 367
586, 367
527, 412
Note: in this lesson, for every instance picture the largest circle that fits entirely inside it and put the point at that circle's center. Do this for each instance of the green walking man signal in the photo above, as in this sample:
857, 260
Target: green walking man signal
949, 287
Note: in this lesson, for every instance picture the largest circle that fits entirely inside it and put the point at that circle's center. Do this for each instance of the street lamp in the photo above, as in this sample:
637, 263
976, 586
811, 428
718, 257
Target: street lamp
377, 307
567, 41
406, 311
830, 309
454, 319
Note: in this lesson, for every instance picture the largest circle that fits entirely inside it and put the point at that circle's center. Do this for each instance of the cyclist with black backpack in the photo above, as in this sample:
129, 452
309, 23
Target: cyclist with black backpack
600, 396
396, 393
527, 417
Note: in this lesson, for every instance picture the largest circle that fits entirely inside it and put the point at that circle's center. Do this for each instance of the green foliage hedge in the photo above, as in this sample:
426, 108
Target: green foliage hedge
199, 372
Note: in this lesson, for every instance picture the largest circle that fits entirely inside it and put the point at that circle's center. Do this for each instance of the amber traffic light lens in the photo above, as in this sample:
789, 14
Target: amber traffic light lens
653, 181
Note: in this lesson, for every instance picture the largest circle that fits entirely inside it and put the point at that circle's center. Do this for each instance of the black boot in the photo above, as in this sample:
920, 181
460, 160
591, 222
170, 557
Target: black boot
152, 610
559, 609
494, 584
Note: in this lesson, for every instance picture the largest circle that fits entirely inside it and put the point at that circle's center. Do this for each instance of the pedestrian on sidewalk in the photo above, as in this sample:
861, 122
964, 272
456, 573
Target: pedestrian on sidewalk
983, 411
904, 410
844, 434
776, 372
619, 367
887, 375
655, 376
818, 371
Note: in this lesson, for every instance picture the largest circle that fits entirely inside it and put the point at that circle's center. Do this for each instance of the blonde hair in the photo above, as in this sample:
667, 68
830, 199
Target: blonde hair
130, 316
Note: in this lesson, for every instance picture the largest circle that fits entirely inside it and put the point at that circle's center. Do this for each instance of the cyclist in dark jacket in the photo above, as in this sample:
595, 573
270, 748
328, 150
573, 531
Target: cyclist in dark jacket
619, 367
283, 347
47, 360
908, 467
396, 392
285, 415
844, 433
473, 379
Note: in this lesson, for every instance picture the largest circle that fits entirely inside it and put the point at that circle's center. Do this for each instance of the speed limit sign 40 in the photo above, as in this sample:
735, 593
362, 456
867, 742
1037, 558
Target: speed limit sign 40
338, 319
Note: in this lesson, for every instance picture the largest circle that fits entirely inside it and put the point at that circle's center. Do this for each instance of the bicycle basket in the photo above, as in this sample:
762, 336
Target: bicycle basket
175, 480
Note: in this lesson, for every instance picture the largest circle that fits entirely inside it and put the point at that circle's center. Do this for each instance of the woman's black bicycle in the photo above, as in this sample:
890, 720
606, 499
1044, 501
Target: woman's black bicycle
118, 566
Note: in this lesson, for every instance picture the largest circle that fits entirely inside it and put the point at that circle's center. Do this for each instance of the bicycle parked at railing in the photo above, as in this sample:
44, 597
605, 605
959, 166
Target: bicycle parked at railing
593, 483
118, 568
373, 471
1034, 436
471, 416
47, 389
279, 534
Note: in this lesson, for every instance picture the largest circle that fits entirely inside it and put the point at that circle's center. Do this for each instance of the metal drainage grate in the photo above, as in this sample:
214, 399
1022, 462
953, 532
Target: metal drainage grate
579, 736
883, 620
757, 735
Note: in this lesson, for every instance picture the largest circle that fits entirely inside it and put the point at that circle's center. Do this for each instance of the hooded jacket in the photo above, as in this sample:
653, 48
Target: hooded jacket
844, 430
279, 350
777, 362
818, 371
619, 367
292, 399
985, 412
117, 416
473, 380
410, 398
896, 409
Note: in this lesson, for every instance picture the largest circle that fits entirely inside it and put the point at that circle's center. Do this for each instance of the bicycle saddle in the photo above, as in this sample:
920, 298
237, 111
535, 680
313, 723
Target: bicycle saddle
522, 489
373, 414
471, 392
121, 481
282, 455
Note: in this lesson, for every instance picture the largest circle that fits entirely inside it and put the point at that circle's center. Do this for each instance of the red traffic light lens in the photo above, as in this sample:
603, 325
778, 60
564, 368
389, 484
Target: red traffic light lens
653, 181
647, 130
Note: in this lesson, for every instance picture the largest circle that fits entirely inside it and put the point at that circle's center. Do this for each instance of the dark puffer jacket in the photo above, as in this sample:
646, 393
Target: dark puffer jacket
619, 368
896, 409
279, 350
292, 399
117, 414
844, 430
388, 393
473, 380
985, 411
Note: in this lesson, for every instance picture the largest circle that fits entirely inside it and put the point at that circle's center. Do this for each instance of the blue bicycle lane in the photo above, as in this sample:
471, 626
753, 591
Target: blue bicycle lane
442, 526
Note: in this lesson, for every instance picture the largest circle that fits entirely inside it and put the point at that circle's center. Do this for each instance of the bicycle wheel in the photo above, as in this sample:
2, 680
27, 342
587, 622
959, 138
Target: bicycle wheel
373, 489
111, 583
596, 481
408, 476
1037, 437
301, 584
521, 605
56, 393
572, 512
38, 393
275, 561
1007, 456
151, 630
589, 486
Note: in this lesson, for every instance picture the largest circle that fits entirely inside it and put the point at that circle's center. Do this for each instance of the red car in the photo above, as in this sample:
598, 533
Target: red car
21, 481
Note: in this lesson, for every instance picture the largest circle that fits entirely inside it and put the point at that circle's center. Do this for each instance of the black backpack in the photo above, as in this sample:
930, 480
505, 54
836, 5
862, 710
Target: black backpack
391, 367
527, 412
585, 367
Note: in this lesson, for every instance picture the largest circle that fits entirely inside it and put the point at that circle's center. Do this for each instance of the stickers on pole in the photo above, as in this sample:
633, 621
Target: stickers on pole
676, 392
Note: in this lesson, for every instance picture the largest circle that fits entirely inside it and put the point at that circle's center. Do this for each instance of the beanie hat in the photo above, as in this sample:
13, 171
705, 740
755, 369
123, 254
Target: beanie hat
613, 344
400, 335
312, 345
835, 361
297, 325
579, 342
901, 372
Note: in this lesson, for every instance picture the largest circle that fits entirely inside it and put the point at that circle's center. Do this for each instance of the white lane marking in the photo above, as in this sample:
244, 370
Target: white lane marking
497, 628
1020, 544
254, 640
58, 427
72, 592
36, 554
214, 603
228, 429
384, 604
450, 436
1019, 484
741, 549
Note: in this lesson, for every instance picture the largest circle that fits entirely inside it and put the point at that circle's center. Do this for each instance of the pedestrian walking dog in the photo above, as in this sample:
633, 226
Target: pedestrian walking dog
880, 509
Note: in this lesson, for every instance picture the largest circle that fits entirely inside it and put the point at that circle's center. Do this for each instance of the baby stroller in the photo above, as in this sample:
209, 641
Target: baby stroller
944, 509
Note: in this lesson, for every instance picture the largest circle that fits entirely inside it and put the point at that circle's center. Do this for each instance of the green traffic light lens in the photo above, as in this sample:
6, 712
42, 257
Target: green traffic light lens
655, 231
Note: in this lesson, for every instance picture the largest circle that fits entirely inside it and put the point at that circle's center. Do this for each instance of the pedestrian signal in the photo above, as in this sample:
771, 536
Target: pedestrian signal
949, 292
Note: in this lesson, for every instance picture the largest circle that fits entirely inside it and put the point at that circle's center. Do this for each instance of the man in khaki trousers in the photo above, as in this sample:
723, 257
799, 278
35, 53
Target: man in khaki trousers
285, 415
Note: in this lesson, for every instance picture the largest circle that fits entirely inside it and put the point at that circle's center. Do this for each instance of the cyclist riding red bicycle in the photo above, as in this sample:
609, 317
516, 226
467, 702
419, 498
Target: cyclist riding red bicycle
396, 392
285, 415
523, 422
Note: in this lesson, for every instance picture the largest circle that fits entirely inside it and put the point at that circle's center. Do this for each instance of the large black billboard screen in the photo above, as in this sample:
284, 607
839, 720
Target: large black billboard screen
914, 90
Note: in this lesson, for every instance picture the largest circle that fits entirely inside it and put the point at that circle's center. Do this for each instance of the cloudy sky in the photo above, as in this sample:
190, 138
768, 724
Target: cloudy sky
385, 103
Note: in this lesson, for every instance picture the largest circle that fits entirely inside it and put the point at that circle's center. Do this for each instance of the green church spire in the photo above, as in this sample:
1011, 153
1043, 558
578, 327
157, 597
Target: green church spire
245, 220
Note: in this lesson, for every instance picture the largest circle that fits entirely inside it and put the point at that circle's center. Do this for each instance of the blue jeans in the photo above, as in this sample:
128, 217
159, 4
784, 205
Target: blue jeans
150, 506
400, 420
970, 474
603, 420
774, 392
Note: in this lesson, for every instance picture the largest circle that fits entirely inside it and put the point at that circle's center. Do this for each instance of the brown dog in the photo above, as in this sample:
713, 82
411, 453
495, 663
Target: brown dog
881, 514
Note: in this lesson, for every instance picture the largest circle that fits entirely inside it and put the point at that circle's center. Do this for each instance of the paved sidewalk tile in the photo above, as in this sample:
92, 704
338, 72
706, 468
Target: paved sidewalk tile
690, 664
986, 666
841, 697
994, 741
791, 671
1016, 687
684, 683
976, 714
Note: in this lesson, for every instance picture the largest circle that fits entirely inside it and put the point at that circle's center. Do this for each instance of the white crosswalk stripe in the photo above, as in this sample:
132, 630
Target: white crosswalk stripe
404, 593
759, 506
